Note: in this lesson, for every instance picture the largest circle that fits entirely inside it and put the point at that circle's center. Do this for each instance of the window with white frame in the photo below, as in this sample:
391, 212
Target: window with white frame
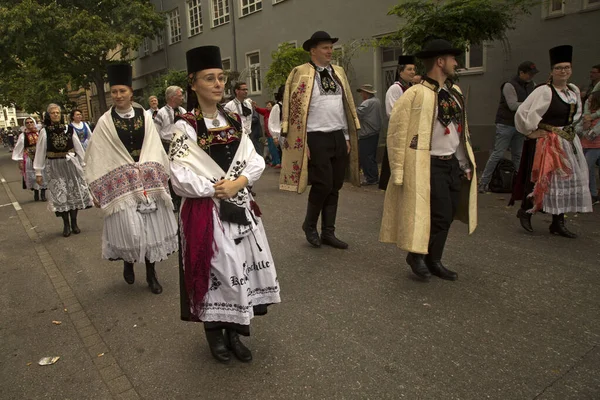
220, 12
195, 14
174, 26
473, 59
146, 47
250, 6
160, 41
253, 62
556, 7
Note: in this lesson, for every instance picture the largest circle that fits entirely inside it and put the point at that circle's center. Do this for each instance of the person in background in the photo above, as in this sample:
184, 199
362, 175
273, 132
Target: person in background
370, 117
512, 94
275, 118
242, 106
594, 83
24, 154
153, 103
82, 129
266, 113
588, 130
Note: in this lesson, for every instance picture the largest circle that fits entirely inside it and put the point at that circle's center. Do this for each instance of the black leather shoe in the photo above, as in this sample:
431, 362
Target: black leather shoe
436, 268
525, 219
233, 343
329, 239
558, 227
43, 194
128, 273
152, 280
328, 217
310, 225
216, 343
418, 266
74, 228
36, 195
66, 227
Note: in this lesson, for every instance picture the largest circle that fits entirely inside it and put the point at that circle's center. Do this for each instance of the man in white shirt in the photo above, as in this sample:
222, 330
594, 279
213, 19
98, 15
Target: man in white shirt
153, 110
242, 106
165, 118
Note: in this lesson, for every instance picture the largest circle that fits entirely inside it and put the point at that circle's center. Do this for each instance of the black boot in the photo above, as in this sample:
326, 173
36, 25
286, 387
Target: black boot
558, 227
437, 268
328, 228
128, 273
216, 343
310, 225
525, 219
43, 198
233, 343
74, 228
36, 195
66, 227
418, 266
151, 279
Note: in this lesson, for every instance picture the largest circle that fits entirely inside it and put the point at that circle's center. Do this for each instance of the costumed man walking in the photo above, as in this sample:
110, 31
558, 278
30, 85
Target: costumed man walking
242, 106
553, 175
227, 274
512, 94
60, 155
405, 77
369, 115
127, 169
24, 153
153, 103
430, 155
319, 124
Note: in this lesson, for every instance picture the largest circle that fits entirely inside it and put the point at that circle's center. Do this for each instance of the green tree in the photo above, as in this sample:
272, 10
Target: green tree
459, 21
78, 38
285, 58
158, 85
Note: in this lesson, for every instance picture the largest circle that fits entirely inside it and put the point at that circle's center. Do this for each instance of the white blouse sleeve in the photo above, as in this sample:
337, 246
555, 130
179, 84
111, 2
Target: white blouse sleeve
78, 149
185, 182
39, 163
254, 168
392, 95
17, 153
275, 122
530, 112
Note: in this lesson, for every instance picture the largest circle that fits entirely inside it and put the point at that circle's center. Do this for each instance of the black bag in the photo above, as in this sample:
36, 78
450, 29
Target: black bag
503, 177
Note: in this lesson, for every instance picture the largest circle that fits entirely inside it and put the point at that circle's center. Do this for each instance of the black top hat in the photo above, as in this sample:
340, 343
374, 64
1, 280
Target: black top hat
203, 57
404, 60
438, 47
561, 54
319, 36
119, 74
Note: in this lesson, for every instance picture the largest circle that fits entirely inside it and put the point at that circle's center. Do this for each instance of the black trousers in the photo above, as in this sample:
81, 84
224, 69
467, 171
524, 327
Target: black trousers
367, 152
444, 198
326, 167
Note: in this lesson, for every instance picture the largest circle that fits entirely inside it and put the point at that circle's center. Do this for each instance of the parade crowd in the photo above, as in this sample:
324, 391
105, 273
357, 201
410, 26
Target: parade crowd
169, 179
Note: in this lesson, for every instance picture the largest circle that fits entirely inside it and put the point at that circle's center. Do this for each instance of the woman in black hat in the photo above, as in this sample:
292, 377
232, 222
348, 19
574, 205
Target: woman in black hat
553, 176
128, 169
59, 154
226, 267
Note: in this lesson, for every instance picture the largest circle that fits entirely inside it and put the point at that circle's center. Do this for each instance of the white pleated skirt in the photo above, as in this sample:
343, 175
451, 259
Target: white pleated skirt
67, 188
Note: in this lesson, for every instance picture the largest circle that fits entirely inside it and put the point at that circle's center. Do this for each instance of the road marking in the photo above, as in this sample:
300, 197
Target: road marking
2, 180
17, 205
7, 204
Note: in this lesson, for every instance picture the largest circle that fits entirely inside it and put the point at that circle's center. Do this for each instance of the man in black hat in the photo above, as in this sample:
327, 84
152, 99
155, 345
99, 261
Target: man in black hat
404, 79
513, 93
428, 164
320, 124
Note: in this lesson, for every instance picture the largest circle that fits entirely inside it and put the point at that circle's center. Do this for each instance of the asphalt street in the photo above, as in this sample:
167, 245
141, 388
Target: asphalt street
522, 321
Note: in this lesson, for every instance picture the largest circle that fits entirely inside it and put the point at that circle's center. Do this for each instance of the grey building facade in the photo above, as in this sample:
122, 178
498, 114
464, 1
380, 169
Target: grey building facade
248, 31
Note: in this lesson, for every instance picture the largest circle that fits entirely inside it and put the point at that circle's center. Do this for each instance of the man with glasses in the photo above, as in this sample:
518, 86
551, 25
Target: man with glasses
242, 106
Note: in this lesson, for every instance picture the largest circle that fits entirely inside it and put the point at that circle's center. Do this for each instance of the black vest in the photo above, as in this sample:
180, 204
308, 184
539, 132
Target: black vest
560, 113
58, 141
131, 131
504, 115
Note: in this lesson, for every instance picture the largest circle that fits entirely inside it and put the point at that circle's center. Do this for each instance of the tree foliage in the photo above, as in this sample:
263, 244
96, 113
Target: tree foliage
77, 38
285, 58
157, 86
459, 21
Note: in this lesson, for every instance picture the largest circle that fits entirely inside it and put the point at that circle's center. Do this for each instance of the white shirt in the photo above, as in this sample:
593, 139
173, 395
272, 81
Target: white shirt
150, 111
39, 163
164, 122
186, 183
17, 154
530, 112
326, 110
445, 145
235, 106
275, 122
391, 96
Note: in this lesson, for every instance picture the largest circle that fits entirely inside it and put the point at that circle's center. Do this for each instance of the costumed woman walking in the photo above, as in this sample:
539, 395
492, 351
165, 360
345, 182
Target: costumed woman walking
227, 274
128, 170
82, 129
61, 155
24, 153
553, 175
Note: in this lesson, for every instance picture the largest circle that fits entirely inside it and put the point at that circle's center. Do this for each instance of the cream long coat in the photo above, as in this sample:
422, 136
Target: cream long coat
296, 101
406, 213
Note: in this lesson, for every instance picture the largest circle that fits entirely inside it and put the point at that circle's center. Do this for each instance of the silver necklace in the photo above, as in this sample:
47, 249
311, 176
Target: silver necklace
215, 118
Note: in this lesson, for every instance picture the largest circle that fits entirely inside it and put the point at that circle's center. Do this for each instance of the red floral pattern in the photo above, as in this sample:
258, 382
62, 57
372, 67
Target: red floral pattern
294, 176
296, 106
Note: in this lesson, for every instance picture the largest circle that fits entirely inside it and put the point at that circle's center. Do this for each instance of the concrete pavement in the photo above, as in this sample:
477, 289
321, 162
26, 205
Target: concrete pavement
522, 321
